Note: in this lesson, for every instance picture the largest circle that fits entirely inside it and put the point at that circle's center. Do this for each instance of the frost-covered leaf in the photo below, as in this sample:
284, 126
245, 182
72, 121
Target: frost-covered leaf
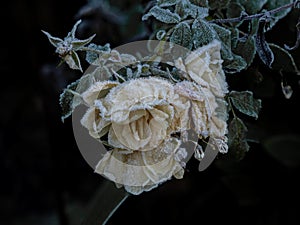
77, 44
234, 9
91, 56
185, 8
218, 4
262, 47
73, 61
285, 148
182, 35
66, 100
283, 60
246, 49
71, 34
235, 65
203, 33
253, 7
224, 35
245, 103
237, 141
53, 40
273, 4
163, 15
234, 36
166, 3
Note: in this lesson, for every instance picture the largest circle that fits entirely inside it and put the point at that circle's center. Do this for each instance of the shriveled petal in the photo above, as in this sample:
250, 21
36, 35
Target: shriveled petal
96, 126
98, 90
137, 94
141, 171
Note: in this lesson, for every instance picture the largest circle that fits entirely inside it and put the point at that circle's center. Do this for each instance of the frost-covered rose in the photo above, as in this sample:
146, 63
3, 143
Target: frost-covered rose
201, 115
92, 119
139, 117
143, 170
204, 67
141, 113
205, 88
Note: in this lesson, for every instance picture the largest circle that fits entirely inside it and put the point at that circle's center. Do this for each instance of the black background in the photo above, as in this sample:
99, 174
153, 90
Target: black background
45, 180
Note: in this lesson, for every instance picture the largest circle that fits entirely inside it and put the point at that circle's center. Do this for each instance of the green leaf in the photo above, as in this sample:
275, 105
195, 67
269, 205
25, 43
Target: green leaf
53, 40
166, 3
77, 44
285, 148
234, 9
238, 145
163, 15
253, 7
66, 100
273, 4
184, 9
224, 35
73, 61
283, 60
218, 4
262, 47
203, 33
235, 65
104, 204
182, 35
246, 49
245, 103
91, 56
72, 33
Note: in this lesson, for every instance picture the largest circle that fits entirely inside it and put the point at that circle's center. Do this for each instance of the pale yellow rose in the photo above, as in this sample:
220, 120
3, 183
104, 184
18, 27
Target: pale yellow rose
141, 113
92, 119
142, 170
204, 66
205, 89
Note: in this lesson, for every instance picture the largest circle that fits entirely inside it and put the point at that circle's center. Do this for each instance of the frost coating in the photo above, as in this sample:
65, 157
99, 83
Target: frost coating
145, 121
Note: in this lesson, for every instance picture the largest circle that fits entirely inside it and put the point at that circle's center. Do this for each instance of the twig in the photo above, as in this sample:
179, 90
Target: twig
259, 15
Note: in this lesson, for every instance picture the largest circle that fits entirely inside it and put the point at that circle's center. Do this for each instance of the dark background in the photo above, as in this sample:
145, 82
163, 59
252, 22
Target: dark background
45, 180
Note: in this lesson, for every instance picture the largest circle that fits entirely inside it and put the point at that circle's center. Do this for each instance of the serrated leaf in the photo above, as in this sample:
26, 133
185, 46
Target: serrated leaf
166, 3
73, 61
262, 47
224, 35
163, 15
66, 100
184, 9
77, 44
253, 7
273, 4
91, 56
285, 148
283, 60
235, 65
238, 145
203, 33
53, 40
182, 35
246, 49
245, 103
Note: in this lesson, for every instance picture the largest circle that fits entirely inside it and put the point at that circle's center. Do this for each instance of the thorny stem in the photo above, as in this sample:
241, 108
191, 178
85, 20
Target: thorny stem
259, 15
